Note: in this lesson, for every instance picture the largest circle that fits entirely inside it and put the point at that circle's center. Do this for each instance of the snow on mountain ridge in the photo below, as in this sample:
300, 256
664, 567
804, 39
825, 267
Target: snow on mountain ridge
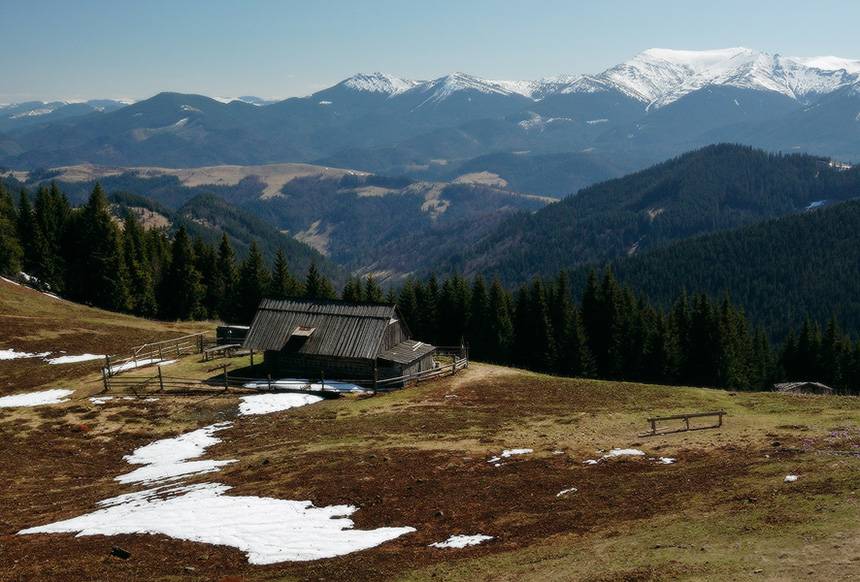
379, 83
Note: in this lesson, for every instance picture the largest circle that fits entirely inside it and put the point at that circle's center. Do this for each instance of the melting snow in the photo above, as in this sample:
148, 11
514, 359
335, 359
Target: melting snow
266, 403
11, 354
790, 478
100, 399
666, 460
169, 458
268, 530
132, 364
509, 453
462, 541
815, 204
624, 453
54, 396
304, 384
564, 492
74, 359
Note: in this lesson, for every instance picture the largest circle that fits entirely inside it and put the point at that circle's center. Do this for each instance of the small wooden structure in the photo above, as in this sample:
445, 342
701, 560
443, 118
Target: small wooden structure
803, 388
364, 343
231, 334
686, 418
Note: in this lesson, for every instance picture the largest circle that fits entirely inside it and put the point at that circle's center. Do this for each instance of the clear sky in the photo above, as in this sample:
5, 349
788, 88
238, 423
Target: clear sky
133, 49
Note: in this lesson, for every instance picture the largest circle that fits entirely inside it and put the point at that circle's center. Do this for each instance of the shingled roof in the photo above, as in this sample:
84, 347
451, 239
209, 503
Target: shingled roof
340, 329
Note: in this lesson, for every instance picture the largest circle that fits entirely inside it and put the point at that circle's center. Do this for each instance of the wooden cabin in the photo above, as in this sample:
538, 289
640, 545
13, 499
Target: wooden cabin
337, 340
803, 388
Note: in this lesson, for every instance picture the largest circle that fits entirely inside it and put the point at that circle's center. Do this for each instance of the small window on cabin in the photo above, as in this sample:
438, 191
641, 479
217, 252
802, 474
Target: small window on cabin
298, 338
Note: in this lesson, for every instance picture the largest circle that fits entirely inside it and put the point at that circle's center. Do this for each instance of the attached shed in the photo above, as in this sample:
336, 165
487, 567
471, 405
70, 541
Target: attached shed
803, 388
337, 340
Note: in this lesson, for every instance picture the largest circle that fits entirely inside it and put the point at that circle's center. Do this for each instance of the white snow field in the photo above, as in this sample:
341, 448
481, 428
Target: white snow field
268, 530
54, 396
13, 354
305, 384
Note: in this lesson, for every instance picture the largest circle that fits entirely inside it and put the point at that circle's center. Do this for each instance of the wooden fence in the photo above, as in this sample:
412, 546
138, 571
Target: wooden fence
154, 352
686, 418
226, 383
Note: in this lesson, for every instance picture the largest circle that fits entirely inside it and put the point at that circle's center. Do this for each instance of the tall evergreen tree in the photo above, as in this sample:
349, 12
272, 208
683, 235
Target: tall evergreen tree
317, 286
253, 284
224, 285
284, 285
372, 291
182, 291
10, 249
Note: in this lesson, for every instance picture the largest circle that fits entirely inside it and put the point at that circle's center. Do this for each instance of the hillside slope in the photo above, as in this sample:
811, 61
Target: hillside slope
779, 270
708, 190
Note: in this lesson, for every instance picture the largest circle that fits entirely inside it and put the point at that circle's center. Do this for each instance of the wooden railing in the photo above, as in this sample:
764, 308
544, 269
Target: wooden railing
152, 353
686, 418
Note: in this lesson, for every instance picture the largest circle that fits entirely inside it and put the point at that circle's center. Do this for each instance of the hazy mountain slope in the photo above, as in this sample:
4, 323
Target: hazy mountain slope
712, 189
208, 216
777, 270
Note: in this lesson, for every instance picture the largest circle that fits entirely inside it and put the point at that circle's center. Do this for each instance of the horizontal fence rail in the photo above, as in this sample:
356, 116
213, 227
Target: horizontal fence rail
152, 353
226, 382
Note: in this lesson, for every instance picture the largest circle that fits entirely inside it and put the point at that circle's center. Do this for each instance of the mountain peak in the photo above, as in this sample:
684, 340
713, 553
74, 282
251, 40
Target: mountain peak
378, 83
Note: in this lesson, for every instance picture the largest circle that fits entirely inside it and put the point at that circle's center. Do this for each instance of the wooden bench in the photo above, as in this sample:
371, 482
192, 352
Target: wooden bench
686, 418
223, 351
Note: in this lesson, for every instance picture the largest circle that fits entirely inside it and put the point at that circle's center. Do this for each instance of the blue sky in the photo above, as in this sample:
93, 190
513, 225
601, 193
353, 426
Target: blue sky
119, 48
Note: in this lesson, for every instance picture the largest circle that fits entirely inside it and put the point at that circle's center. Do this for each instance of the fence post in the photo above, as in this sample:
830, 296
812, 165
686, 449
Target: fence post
252, 358
105, 379
200, 344
160, 380
226, 379
375, 376
107, 364
270, 382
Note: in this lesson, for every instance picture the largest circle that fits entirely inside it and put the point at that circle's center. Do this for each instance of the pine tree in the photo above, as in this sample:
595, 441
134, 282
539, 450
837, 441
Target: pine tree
284, 285
32, 239
10, 249
477, 327
352, 290
224, 286
253, 284
98, 267
500, 328
51, 212
372, 291
317, 286
182, 292
141, 288
206, 263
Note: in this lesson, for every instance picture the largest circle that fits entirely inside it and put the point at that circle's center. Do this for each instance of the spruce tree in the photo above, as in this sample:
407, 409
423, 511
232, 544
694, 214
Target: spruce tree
284, 285
10, 249
372, 291
224, 286
317, 286
182, 291
253, 284
141, 287
501, 330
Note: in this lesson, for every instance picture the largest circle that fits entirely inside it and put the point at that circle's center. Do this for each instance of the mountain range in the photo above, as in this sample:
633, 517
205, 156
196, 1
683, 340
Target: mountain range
658, 104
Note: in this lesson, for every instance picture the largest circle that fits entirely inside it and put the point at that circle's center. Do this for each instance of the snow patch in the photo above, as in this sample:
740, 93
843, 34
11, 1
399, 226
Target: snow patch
815, 204
509, 453
461, 541
74, 359
54, 396
790, 479
623, 453
169, 458
596, 121
305, 384
266, 403
564, 492
12, 354
100, 399
268, 530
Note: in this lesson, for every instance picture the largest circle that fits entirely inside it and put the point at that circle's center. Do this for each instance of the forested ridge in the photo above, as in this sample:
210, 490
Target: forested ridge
779, 271
713, 189
609, 332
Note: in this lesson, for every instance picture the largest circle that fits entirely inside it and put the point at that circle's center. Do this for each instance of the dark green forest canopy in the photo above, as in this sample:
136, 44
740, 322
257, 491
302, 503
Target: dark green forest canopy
779, 271
713, 189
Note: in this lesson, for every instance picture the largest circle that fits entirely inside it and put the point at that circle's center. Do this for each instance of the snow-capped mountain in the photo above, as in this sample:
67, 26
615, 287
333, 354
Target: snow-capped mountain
378, 83
655, 77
